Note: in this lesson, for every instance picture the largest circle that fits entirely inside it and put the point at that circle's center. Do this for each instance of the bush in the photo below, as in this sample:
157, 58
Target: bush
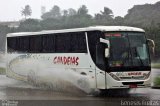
157, 81
2, 71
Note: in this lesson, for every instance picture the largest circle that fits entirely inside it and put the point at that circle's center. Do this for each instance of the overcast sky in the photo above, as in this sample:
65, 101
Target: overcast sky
10, 9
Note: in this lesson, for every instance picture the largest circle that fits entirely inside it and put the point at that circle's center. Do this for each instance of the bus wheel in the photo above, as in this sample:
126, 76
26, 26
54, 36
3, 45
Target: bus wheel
83, 84
95, 92
115, 92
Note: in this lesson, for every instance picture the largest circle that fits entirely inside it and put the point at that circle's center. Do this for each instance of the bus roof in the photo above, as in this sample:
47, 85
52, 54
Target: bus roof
91, 28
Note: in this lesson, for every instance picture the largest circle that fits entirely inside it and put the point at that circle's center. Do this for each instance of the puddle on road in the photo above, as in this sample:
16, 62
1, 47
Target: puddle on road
17, 90
54, 84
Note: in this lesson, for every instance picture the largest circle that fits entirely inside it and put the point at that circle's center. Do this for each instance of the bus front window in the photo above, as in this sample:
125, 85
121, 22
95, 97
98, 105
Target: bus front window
127, 49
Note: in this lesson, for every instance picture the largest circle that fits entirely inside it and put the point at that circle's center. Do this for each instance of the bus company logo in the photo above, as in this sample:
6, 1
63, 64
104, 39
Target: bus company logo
135, 73
121, 74
66, 60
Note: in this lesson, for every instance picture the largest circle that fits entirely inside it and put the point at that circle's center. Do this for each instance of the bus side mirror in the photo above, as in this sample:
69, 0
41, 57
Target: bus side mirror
107, 46
151, 45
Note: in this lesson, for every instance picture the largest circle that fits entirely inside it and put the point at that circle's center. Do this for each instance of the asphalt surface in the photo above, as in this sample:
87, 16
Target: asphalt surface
18, 93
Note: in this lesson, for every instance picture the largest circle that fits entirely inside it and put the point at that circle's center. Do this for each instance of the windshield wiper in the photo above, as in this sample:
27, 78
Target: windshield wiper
127, 56
139, 57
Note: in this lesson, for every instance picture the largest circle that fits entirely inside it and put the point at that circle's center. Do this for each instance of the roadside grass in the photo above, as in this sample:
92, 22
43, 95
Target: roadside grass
157, 82
155, 65
2, 71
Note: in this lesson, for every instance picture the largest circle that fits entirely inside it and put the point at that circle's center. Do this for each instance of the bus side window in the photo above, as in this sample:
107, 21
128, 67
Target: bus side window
74, 42
11, 44
48, 43
62, 43
94, 46
71, 43
78, 42
36, 44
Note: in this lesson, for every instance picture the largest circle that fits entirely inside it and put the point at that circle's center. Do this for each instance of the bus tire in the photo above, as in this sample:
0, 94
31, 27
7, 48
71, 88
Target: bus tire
115, 92
83, 84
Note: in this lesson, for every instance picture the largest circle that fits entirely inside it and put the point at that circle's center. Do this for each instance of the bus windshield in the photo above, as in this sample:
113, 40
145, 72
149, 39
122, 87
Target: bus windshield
127, 49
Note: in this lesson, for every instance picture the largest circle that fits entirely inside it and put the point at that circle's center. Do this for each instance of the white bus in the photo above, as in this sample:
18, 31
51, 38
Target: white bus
115, 57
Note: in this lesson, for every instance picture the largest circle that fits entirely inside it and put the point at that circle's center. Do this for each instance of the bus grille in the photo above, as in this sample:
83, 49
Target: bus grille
130, 83
135, 77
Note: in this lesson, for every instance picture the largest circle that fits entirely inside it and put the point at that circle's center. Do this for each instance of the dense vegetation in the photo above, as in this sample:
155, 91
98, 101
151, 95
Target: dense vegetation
144, 16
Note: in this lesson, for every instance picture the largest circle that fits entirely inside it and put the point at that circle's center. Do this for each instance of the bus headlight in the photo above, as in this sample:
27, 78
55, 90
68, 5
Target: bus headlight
146, 75
114, 76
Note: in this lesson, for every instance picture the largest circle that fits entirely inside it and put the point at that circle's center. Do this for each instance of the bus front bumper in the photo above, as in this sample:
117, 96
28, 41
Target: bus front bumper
113, 84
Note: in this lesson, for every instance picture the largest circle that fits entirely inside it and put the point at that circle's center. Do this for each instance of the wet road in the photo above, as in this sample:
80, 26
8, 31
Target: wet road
19, 93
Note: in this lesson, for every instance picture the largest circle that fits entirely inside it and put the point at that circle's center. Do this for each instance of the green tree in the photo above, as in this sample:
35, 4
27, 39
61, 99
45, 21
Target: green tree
55, 12
52, 24
107, 12
143, 15
83, 10
105, 17
119, 20
71, 12
29, 25
65, 13
3, 31
26, 11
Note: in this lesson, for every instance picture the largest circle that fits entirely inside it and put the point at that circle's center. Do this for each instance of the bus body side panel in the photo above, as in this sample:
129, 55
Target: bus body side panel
100, 79
19, 66
12, 71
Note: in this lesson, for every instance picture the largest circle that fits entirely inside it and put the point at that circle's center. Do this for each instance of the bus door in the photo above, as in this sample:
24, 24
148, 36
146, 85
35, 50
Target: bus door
100, 66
